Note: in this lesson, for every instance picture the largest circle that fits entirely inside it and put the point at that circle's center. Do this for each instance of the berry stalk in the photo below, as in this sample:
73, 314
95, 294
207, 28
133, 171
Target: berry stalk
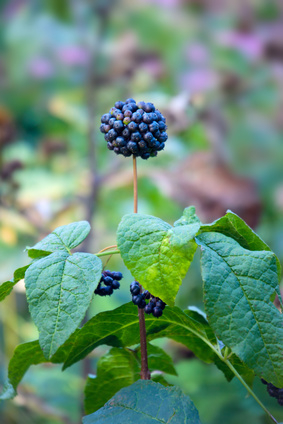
145, 374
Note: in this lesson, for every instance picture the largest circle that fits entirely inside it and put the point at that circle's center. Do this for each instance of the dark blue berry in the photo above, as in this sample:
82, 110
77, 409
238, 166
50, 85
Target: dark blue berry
161, 147
149, 107
132, 147
118, 126
102, 128
146, 294
117, 150
120, 116
160, 304
120, 141
145, 155
153, 116
142, 145
142, 304
162, 126
110, 146
148, 136
111, 121
108, 281
147, 118
119, 105
132, 126
105, 118
117, 275
141, 105
136, 137
125, 152
135, 288
128, 113
137, 299
143, 127
130, 100
112, 134
148, 308
115, 284
137, 117
163, 137
157, 312
153, 126
126, 133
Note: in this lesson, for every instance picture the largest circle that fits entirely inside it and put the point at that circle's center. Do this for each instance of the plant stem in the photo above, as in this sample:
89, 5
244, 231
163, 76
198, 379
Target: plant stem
228, 363
110, 252
107, 248
135, 185
145, 374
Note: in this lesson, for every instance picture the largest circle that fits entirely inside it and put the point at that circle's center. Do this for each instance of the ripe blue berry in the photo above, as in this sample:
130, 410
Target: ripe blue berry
115, 284
134, 129
157, 312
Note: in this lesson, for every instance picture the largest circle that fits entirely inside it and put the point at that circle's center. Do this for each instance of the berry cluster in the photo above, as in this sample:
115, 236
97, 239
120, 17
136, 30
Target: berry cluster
132, 128
274, 391
110, 279
155, 305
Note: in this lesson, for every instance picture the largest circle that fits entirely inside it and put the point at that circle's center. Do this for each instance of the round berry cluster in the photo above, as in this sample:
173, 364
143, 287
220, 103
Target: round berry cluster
155, 305
274, 391
132, 128
110, 279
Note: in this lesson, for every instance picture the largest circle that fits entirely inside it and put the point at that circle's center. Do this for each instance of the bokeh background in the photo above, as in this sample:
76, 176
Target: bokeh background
215, 70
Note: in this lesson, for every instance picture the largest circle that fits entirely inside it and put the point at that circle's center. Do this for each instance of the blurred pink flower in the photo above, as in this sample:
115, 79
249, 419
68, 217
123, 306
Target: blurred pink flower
163, 3
250, 45
197, 54
40, 68
199, 80
73, 55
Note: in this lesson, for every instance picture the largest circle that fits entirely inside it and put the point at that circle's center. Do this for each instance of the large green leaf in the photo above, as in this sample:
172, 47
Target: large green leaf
120, 368
146, 402
157, 254
233, 226
62, 238
59, 290
238, 286
120, 328
27, 354
7, 287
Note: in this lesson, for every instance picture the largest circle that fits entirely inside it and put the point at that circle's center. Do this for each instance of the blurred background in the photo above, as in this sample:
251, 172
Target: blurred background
214, 68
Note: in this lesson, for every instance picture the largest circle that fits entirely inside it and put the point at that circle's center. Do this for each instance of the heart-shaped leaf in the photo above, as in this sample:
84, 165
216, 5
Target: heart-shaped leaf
146, 402
238, 286
157, 254
59, 290
63, 238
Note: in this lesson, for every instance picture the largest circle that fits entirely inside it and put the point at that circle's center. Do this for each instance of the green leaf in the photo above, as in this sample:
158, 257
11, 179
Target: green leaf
146, 402
59, 290
238, 286
7, 287
187, 327
157, 254
189, 217
62, 238
117, 369
120, 368
233, 226
25, 355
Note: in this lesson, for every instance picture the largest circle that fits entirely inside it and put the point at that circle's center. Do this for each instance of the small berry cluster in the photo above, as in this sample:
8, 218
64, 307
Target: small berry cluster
155, 305
110, 279
274, 391
132, 128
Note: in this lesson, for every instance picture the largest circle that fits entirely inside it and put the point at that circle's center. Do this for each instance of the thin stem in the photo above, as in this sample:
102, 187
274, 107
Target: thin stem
228, 363
145, 374
135, 184
107, 248
110, 252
